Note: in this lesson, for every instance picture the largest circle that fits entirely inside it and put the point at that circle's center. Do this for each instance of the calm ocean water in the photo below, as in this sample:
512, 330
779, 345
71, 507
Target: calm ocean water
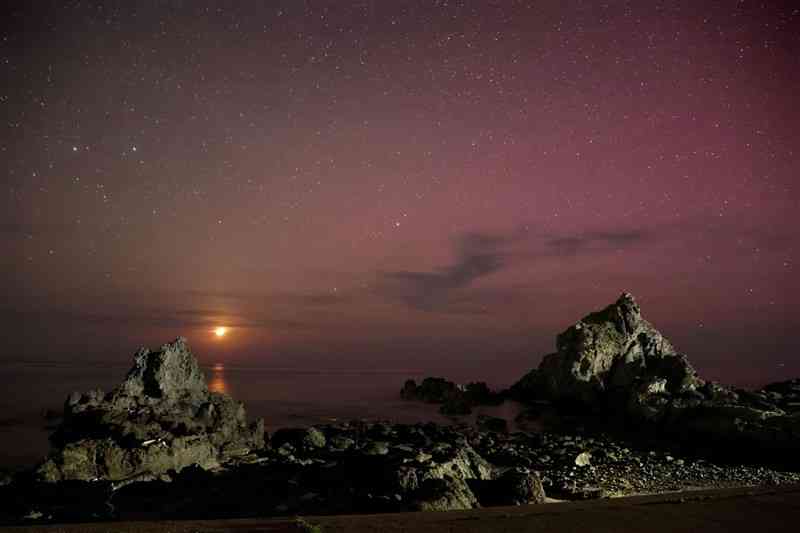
282, 397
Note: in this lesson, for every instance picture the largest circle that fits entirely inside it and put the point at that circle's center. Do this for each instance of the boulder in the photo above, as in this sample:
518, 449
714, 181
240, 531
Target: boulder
455, 400
299, 438
376, 448
479, 393
448, 493
519, 486
786, 394
514, 486
571, 491
161, 418
340, 443
583, 459
608, 352
431, 390
463, 462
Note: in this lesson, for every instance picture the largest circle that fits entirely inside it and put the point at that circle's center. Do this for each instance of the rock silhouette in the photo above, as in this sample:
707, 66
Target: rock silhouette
454, 399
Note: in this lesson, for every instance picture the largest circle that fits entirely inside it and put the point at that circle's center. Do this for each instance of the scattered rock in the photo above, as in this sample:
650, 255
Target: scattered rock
583, 459
447, 493
299, 438
376, 448
431, 390
515, 486
340, 443
573, 492
420, 466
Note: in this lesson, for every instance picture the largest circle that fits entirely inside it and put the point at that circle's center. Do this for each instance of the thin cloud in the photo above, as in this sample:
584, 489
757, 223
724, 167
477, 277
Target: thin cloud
477, 256
598, 241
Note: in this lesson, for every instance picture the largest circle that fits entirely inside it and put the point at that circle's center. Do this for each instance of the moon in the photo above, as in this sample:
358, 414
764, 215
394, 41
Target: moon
220, 331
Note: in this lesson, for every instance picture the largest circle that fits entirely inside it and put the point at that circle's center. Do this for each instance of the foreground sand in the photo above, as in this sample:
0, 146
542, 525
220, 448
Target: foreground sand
752, 510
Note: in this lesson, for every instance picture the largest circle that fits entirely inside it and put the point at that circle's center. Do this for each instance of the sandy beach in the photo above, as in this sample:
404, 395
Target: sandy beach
728, 510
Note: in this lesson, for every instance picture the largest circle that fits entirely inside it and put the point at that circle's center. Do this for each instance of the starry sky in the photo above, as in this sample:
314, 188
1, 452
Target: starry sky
432, 185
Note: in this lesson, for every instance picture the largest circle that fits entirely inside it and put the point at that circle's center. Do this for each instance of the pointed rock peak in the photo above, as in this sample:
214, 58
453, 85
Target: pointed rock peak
627, 303
612, 349
629, 311
168, 373
624, 314
627, 299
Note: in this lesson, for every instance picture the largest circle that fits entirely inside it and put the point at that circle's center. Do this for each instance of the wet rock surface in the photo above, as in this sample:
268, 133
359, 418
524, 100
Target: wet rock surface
161, 418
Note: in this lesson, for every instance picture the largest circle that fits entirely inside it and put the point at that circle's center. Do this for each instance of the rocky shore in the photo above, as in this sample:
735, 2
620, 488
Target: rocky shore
362, 467
161, 418
613, 370
623, 412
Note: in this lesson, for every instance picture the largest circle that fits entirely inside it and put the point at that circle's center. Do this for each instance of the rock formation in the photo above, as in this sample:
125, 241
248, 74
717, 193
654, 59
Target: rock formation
361, 467
454, 399
153, 443
614, 362
613, 351
162, 417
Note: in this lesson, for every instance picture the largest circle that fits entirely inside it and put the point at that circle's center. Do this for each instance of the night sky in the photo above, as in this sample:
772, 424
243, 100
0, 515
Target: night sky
439, 186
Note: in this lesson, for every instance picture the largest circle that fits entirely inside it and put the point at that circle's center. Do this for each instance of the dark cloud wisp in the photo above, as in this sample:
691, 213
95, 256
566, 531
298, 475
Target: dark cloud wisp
477, 256
595, 242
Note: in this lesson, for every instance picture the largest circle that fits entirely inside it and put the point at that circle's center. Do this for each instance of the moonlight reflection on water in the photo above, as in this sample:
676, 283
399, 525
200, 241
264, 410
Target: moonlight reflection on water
217, 382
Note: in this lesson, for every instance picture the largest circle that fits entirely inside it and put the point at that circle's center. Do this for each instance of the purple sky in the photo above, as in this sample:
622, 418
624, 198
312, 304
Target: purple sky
441, 186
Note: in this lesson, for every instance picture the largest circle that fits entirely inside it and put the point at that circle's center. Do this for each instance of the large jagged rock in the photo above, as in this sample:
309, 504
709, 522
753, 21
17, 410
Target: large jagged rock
169, 374
444, 484
161, 418
613, 362
610, 351
431, 390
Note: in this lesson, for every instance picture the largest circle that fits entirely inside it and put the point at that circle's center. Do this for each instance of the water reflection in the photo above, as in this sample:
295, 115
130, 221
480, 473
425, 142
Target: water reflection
217, 382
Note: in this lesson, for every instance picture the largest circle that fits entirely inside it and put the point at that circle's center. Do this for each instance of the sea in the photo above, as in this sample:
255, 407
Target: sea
32, 393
